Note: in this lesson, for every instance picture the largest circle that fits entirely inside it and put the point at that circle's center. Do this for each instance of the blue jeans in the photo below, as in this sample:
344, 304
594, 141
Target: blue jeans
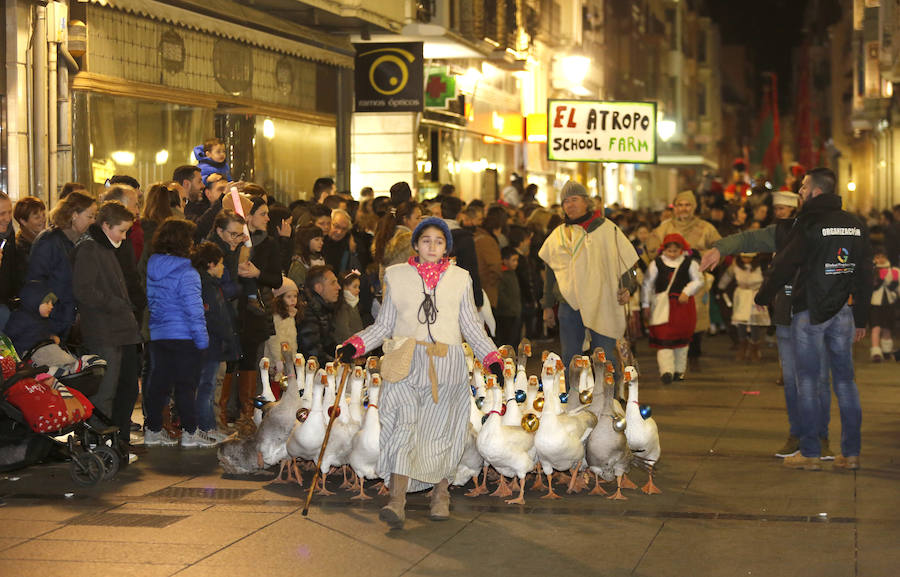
788, 375
571, 336
203, 407
833, 338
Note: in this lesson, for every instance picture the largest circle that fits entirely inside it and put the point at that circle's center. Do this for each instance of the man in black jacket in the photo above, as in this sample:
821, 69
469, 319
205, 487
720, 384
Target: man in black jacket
315, 334
828, 258
463, 244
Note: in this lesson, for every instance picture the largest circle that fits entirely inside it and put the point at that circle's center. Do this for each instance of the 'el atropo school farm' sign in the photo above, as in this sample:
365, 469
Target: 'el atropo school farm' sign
596, 131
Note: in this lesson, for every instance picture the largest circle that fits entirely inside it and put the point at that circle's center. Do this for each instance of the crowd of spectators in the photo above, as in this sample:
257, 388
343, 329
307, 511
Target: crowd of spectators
182, 287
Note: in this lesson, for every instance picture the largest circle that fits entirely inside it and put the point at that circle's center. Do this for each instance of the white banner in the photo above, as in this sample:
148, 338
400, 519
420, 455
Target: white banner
597, 131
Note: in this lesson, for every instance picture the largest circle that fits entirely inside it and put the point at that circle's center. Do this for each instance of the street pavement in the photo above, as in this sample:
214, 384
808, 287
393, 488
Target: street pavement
728, 506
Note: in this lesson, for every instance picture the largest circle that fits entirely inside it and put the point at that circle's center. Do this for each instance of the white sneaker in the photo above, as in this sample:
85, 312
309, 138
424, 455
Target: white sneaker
198, 439
159, 438
214, 435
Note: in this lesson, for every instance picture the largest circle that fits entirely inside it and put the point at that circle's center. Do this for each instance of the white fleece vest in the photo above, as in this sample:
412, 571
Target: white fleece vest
405, 286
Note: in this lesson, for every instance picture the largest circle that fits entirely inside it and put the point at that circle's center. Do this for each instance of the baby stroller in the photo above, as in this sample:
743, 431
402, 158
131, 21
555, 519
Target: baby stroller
37, 408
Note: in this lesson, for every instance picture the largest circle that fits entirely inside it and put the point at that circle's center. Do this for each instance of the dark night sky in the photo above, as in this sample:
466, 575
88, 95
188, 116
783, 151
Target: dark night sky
771, 28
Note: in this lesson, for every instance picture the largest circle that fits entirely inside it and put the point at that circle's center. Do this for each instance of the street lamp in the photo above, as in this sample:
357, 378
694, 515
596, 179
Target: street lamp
665, 129
851, 186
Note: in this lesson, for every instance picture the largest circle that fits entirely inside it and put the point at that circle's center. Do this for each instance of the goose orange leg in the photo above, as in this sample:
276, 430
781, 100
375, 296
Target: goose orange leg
285, 465
628, 483
550, 493
618, 496
322, 490
480, 489
650, 488
520, 500
297, 474
597, 490
362, 490
538, 484
503, 489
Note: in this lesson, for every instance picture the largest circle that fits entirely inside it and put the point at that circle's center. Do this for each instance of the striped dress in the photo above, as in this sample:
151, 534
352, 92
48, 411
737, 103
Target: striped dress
422, 439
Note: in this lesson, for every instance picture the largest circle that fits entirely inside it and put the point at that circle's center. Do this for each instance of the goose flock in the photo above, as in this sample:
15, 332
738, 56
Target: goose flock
526, 425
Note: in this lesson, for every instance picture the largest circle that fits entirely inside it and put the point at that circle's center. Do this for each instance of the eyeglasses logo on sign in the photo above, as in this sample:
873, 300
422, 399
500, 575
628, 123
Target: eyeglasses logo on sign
389, 77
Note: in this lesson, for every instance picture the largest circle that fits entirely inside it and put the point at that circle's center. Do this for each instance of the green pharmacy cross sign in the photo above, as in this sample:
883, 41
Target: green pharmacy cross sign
601, 131
440, 87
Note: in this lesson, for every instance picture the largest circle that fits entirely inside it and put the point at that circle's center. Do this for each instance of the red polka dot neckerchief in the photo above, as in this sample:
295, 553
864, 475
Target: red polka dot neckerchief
430, 271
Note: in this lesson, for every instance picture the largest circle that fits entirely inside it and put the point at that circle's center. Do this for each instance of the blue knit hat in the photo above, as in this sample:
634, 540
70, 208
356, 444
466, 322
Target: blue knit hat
436, 222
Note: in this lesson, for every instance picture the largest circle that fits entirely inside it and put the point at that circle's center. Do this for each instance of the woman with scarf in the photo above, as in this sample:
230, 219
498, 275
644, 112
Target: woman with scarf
427, 310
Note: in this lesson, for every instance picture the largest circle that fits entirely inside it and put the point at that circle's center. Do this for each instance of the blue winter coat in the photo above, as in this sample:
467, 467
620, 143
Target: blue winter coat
174, 297
209, 166
49, 271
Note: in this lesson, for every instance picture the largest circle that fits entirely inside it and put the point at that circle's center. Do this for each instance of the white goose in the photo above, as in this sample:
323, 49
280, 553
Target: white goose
510, 450
354, 414
337, 452
267, 396
277, 423
642, 434
307, 436
606, 451
472, 463
309, 383
560, 437
365, 445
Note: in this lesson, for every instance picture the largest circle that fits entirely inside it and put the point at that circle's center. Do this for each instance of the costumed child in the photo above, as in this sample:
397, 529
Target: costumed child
748, 318
347, 320
667, 299
428, 309
224, 346
884, 300
508, 311
211, 159
284, 307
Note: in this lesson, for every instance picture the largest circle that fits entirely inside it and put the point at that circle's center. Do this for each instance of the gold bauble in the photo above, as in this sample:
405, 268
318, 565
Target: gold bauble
530, 422
538, 404
586, 397
302, 414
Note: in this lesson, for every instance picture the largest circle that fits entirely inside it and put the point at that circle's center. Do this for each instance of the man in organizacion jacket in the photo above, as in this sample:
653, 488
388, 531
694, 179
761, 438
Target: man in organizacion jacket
827, 259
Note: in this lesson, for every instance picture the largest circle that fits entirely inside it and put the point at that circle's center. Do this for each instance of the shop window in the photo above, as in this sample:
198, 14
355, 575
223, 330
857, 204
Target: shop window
141, 138
288, 156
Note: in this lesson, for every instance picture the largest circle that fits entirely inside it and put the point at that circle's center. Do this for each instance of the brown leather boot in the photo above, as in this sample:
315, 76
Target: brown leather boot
246, 392
754, 353
394, 513
440, 502
221, 406
742, 350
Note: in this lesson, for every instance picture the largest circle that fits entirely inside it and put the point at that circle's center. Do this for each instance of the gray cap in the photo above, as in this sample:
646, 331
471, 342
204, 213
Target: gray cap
572, 188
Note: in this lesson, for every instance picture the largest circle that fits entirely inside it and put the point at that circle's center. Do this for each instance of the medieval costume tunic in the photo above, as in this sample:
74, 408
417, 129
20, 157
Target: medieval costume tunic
679, 330
427, 311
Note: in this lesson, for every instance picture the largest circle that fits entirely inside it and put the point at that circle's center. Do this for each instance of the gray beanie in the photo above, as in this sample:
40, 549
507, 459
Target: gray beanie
572, 188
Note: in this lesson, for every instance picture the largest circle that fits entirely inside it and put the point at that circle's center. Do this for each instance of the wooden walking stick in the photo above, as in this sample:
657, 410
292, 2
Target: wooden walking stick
335, 409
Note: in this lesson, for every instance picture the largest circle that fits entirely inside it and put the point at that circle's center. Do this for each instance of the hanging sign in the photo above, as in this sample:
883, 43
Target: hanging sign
389, 77
598, 131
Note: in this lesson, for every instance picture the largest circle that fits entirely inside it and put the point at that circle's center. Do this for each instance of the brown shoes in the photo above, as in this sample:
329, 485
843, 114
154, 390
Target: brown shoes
798, 461
394, 513
843, 462
440, 502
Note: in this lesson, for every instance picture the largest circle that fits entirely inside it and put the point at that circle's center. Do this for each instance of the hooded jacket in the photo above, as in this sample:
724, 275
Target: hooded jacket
828, 257
49, 271
174, 296
209, 166
107, 313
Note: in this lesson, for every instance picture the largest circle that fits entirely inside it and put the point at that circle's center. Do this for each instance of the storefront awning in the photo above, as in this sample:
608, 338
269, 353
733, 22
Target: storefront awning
296, 40
686, 160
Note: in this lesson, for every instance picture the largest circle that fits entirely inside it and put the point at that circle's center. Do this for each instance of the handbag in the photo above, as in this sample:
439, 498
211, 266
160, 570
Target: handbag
397, 359
659, 308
